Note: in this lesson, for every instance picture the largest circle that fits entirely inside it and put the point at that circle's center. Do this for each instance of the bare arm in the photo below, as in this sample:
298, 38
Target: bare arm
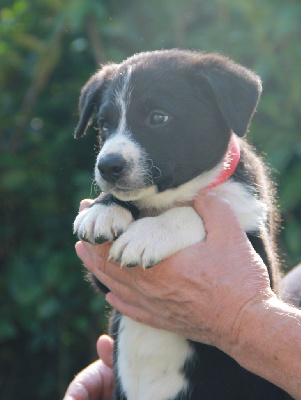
215, 292
291, 286
270, 344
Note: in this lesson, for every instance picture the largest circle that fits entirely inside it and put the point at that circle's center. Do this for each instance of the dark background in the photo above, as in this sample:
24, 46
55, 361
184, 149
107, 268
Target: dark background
49, 317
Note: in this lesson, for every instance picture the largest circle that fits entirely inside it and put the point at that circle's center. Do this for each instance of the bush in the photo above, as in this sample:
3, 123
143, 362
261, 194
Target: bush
49, 317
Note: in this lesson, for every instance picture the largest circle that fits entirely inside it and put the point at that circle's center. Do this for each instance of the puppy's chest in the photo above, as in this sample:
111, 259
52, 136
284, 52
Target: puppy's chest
155, 211
150, 361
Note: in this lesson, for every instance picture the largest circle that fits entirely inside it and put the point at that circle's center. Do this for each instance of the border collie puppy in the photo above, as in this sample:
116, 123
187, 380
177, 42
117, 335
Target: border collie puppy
172, 122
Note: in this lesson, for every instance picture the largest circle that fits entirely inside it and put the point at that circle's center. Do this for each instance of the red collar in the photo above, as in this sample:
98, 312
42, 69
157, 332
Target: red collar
230, 162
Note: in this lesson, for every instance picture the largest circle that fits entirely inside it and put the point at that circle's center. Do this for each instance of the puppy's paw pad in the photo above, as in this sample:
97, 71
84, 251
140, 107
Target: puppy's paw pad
101, 239
132, 264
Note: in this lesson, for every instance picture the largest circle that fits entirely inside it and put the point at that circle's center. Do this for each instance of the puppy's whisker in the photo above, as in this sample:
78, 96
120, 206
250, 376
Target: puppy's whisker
152, 166
159, 170
94, 188
148, 176
151, 163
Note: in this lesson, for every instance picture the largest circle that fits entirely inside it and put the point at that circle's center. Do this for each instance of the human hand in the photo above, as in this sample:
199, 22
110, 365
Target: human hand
96, 381
201, 292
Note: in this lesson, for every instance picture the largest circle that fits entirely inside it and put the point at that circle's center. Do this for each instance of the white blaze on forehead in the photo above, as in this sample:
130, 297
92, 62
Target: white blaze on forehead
120, 141
122, 99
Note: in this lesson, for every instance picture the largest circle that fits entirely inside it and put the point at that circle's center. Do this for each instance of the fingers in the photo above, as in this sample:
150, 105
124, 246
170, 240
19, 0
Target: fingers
83, 254
93, 263
105, 350
138, 314
216, 212
119, 281
84, 204
93, 383
94, 257
95, 260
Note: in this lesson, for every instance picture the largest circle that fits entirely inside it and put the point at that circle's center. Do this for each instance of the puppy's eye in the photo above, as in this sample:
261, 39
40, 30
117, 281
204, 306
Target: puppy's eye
104, 125
157, 118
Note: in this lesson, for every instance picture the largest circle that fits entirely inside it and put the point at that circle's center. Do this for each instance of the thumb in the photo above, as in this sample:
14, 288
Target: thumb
105, 349
84, 204
218, 216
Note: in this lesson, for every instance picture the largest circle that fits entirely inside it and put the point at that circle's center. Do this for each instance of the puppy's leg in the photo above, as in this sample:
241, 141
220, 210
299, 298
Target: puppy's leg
104, 220
149, 240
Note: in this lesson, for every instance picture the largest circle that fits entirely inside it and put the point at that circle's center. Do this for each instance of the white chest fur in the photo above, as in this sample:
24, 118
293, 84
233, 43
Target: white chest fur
150, 360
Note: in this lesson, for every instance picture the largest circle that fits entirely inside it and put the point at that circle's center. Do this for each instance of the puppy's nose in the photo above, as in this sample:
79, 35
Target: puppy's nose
111, 167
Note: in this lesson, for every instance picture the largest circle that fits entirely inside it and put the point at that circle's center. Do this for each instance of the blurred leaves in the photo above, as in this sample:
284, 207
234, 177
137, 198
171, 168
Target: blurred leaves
291, 190
49, 317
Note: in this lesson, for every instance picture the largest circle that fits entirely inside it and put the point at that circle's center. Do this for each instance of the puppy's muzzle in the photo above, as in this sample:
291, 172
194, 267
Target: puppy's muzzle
111, 167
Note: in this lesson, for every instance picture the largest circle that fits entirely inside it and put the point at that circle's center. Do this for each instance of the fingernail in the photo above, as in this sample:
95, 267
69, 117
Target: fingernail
109, 297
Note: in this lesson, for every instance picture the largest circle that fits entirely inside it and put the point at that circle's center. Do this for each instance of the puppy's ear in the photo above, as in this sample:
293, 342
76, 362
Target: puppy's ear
90, 98
236, 89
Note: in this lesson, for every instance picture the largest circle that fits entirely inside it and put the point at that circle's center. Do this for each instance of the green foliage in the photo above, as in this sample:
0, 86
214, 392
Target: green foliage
49, 317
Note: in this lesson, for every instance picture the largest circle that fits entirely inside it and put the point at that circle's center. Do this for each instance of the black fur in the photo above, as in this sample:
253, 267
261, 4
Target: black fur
207, 97
215, 375
211, 80
108, 199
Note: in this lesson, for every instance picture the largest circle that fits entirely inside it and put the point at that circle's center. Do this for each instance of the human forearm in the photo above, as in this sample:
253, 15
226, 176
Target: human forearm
269, 344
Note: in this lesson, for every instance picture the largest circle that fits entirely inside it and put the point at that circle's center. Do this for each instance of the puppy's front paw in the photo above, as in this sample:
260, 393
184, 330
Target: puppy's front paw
150, 240
144, 243
102, 223
139, 245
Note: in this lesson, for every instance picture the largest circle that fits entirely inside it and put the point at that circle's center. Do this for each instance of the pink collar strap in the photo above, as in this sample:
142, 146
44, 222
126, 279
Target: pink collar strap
230, 162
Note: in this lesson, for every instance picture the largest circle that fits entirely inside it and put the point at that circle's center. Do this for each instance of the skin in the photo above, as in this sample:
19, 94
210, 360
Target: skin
216, 292
96, 381
291, 286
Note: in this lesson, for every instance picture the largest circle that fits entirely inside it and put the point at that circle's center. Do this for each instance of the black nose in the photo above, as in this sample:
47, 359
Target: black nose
111, 167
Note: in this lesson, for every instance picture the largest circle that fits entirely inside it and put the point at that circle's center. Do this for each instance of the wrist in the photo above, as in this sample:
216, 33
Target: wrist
246, 325
269, 342
254, 331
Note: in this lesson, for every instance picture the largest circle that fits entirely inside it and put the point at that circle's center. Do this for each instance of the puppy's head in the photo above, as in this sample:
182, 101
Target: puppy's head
165, 117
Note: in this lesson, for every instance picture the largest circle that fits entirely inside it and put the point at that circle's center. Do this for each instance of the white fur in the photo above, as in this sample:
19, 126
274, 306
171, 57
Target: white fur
123, 99
151, 239
133, 154
145, 353
120, 142
102, 220
150, 198
149, 361
251, 212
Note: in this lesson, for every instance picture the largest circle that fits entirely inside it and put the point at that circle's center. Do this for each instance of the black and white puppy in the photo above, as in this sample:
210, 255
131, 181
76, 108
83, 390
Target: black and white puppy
171, 123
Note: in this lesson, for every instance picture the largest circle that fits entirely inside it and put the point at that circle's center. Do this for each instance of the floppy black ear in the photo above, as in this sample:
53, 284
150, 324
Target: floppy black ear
90, 98
235, 88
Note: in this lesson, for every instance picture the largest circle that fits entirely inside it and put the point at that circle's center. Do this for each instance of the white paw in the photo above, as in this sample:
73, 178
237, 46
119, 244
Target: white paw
101, 223
150, 240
